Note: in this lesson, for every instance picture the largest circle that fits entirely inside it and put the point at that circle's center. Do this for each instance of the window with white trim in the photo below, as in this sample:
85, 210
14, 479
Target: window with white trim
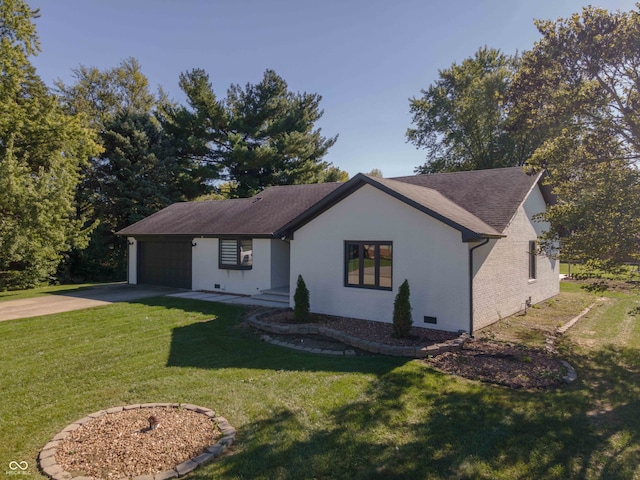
235, 253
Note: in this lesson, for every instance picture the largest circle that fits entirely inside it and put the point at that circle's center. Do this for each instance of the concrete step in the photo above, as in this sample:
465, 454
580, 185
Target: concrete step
268, 297
281, 292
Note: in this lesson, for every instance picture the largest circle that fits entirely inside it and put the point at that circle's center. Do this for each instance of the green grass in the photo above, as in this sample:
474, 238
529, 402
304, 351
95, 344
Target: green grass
300, 415
629, 272
542, 320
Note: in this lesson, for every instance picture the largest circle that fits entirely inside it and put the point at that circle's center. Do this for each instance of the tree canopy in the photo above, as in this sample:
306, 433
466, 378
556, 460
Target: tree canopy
41, 151
259, 135
139, 170
463, 119
581, 85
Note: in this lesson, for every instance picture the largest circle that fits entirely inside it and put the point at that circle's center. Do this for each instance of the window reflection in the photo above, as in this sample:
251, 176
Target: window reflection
369, 264
353, 264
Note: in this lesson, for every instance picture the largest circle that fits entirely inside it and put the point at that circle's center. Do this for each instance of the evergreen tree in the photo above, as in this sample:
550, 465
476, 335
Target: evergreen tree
41, 152
139, 171
402, 319
301, 302
260, 135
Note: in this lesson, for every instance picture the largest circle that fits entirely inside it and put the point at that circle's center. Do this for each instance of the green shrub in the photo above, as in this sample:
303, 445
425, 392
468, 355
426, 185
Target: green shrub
301, 302
402, 320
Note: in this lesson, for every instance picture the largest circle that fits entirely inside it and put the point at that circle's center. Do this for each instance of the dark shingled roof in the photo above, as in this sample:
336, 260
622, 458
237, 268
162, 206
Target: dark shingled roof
436, 204
492, 195
261, 215
479, 203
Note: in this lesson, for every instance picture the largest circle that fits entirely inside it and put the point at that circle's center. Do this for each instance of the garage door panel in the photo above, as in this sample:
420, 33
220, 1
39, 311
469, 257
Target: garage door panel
166, 263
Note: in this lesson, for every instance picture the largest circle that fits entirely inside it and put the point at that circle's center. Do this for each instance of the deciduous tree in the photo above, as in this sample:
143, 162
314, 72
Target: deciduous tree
463, 119
41, 152
581, 83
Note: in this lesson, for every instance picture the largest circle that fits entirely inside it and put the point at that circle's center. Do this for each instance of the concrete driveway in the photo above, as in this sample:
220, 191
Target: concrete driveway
78, 300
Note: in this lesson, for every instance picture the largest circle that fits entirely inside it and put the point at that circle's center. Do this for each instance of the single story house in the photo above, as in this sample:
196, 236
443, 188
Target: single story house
465, 241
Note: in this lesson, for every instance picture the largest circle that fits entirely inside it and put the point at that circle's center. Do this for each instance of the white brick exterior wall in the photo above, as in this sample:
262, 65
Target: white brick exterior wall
501, 283
206, 274
430, 254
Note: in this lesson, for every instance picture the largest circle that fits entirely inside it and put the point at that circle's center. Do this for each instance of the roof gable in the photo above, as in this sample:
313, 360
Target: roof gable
493, 195
426, 200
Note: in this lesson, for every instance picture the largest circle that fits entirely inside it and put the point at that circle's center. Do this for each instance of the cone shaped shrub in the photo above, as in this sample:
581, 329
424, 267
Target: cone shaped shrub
301, 302
402, 320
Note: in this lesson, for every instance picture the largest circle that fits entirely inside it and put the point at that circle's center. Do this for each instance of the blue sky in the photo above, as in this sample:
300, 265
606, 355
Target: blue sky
366, 58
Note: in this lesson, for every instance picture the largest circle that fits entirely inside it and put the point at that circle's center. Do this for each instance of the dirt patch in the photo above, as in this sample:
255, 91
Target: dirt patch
122, 444
513, 366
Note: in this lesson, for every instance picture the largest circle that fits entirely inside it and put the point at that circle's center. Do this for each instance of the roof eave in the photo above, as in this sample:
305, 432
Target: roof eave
199, 235
476, 237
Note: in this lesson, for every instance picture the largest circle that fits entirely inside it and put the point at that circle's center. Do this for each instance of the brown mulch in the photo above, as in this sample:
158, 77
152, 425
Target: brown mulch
121, 444
510, 365
371, 331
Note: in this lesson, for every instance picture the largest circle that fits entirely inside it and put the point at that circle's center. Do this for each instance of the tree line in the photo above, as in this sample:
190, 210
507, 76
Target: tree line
569, 106
80, 161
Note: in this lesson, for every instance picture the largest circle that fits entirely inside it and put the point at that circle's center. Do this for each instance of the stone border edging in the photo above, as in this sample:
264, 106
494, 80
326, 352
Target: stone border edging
369, 346
47, 456
574, 320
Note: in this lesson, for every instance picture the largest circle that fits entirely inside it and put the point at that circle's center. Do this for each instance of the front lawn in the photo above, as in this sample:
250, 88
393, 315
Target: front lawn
300, 415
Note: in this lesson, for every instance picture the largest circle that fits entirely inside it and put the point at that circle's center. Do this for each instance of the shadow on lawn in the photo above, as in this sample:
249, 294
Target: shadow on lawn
408, 428
224, 343
610, 377
413, 422
416, 423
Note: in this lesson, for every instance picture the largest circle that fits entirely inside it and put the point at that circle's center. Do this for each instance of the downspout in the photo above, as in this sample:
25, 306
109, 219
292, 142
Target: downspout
486, 240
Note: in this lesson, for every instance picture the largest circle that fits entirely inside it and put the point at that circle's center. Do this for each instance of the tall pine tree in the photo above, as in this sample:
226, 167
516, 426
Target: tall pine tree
260, 135
139, 170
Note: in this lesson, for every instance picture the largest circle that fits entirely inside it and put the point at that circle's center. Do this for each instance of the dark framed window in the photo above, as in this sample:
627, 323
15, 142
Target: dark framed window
533, 260
368, 264
235, 253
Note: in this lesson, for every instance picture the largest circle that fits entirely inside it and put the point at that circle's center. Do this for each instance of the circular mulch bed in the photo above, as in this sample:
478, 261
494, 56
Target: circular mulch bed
158, 440
513, 366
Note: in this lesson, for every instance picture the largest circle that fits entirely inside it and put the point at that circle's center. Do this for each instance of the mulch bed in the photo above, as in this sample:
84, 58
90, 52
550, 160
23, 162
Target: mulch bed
373, 331
510, 365
121, 445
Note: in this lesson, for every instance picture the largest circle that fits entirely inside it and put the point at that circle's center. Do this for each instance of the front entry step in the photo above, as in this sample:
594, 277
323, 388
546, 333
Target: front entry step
281, 292
277, 295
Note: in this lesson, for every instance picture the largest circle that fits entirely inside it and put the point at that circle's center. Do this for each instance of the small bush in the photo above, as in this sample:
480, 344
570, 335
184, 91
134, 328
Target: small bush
402, 319
301, 302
